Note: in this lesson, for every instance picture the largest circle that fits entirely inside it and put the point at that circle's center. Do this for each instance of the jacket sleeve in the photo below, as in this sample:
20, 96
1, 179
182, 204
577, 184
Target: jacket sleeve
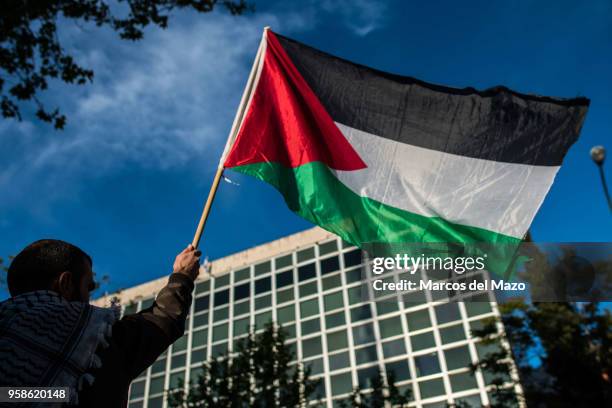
140, 338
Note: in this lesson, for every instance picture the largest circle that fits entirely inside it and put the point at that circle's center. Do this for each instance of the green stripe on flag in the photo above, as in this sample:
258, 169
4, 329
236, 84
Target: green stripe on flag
313, 192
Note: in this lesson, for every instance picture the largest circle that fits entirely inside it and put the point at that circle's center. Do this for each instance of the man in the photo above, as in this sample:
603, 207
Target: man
51, 336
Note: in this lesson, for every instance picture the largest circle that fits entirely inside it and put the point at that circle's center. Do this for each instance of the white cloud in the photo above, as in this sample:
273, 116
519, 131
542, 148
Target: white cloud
159, 103
163, 102
360, 16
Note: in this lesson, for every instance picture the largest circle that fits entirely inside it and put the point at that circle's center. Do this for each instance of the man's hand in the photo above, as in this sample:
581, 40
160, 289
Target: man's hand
188, 262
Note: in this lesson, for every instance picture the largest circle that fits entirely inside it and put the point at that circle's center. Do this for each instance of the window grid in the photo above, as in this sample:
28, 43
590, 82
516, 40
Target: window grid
353, 368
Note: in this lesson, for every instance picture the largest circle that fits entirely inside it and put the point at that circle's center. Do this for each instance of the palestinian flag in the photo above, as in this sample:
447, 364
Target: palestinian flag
377, 157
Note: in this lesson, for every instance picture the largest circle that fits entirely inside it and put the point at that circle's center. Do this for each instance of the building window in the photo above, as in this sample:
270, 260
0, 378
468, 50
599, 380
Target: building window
390, 327
330, 265
311, 347
413, 299
283, 261
316, 366
262, 268
339, 361
284, 279
178, 361
387, 306
286, 314
308, 289
399, 369
242, 274
220, 332
366, 355
200, 320
219, 349
336, 341
198, 357
470, 401
263, 285
156, 402
156, 385
485, 349
333, 301
427, 364
332, 282
418, 320
242, 291
458, 357
241, 308
309, 308
147, 303
447, 313
353, 276
201, 303
341, 384
159, 366
308, 271
180, 344
431, 388
355, 295
199, 338
203, 286
262, 319
137, 389
263, 302
284, 295
423, 341
478, 305
352, 258
305, 254
362, 312
222, 280
290, 331
334, 320
365, 376
452, 334
311, 326
222, 297
394, 348
462, 382
363, 334
221, 314
327, 248
241, 326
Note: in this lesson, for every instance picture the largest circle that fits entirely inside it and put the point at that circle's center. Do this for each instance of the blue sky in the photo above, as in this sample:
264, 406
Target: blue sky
127, 179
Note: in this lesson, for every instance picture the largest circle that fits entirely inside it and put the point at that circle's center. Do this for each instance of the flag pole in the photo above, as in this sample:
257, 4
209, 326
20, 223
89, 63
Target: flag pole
244, 101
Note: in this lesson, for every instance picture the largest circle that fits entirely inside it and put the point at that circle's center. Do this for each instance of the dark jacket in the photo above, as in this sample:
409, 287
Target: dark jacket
137, 340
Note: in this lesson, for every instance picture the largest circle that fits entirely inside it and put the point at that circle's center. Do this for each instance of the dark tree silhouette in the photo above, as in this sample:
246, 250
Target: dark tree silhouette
562, 350
259, 373
31, 53
383, 394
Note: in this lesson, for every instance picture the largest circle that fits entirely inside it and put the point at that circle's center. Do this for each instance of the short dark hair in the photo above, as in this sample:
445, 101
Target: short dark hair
41, 262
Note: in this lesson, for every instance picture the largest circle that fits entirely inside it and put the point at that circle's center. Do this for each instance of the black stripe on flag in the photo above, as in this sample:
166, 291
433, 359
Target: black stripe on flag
494, 124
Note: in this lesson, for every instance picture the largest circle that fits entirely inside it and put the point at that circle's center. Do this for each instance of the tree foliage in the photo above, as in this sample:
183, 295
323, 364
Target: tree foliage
259, 374
562, 350
32, 55
383, 394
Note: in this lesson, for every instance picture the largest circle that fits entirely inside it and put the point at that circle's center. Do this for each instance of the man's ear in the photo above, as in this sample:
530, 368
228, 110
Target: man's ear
65, 285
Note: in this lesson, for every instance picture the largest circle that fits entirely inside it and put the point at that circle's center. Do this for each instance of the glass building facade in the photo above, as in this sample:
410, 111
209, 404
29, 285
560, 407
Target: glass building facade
314, 292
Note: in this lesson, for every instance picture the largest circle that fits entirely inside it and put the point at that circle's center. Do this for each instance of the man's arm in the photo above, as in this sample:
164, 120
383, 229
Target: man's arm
140, 338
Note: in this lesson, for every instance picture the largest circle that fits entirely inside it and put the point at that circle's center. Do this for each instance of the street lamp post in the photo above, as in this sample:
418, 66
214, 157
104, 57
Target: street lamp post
598, 154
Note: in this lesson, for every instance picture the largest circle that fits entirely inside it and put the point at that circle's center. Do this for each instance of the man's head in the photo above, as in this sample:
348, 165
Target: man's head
51, 264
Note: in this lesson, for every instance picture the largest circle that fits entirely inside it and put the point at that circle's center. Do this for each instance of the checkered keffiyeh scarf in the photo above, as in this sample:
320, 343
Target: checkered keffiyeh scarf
46, 341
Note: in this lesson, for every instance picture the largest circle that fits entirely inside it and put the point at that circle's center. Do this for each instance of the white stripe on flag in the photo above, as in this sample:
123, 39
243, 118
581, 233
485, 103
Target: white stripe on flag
500, 197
